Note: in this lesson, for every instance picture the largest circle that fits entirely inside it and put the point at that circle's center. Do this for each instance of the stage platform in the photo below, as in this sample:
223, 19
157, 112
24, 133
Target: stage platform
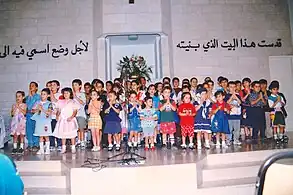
217, 171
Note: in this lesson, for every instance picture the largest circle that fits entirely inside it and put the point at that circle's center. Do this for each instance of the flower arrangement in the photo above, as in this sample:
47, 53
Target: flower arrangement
134, 67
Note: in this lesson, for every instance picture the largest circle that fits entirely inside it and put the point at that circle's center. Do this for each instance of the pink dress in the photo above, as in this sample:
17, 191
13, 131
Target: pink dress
66, 129
18, 121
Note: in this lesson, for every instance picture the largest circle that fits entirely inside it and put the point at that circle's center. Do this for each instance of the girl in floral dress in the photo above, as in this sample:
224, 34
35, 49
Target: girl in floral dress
66, 127
18, 122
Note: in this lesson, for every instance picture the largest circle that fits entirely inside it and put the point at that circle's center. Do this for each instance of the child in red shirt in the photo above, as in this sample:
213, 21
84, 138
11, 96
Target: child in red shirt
187, 112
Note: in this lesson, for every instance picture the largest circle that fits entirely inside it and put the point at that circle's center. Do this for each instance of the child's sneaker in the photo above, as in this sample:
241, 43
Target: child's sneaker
199, 146
207, 145
98, 148
94, 149
52, 148
82, 145
41, 151
20, 151
218, 145
191, 146
73, 149
63, 149
47, 152
110, 147
14, 151
130, 144
183, 146
237, 142
117, 147
224, 145
59, 148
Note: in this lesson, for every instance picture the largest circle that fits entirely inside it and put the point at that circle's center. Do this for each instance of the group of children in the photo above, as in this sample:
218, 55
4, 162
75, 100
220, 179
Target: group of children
163, 113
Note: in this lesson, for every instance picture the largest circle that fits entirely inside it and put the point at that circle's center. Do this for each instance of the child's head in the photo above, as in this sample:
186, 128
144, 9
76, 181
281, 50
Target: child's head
255, 86
175, 82
134, 85
142, 81
45, 94
220, 95
159, 87
186, 88
193, 82
33, 87
207, 79
109, 85
55, 85
98, 85
211, 85
19, 96
132, 96
166, 80
205, 85
167, 92
263, 84
224, 83
94, 95
112, 96
49, 84
219, 80
76, 85
238, 85
87, 87
118, 80
203, 93
274, 87
128, 85
232, 86
67, 93
148, 101
151, 90
186, 97
185, 81
246, 82
116, 87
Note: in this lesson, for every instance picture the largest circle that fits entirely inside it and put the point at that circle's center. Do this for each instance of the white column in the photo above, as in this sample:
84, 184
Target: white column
108, 72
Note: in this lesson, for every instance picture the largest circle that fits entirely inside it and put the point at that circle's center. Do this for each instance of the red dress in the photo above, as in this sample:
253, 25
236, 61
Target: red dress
187, 122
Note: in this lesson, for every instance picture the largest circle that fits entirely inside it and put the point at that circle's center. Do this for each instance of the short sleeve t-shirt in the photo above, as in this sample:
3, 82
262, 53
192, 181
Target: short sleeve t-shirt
81, 111
222, 106
186, 108
167, 115
148, 113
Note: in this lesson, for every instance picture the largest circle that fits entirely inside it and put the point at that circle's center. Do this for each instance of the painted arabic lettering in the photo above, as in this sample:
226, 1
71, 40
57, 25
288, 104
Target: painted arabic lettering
54, 52
229, 45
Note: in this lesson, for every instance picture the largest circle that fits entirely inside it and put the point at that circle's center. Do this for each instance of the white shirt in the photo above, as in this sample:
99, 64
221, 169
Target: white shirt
82, 97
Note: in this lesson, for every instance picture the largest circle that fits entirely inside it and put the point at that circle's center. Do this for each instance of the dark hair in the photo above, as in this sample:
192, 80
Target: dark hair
193, 78
22, 94
166, 78
237, 82
135, 81
69, 90
109, 82
78, 81
35, 83
207, 79
185, 81
223, 79
49, 82
118, 79
186, 86
246, 80
254, 83
96, 81
219, 79
147, 98
184, 94
141, 78
231, 83
274, 84
151, 85
87, 84
113, 92
175, 79
220, 92
167, 88
57, 82
132, 92
211, 81
47, 90
199, 86
263, 81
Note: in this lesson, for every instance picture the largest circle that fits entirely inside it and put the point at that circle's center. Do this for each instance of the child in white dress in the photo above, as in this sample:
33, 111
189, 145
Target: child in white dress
66, 127
43, 110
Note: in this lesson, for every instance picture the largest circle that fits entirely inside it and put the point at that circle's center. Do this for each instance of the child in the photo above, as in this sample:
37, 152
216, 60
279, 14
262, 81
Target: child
167, 117
186, 113
95, 121
66, 127
112, 120
202, 123
30, 100
133, 119
148, 118
55, 95
18, 122
234, 117
42, 116
276, 102
80, 99
220, 124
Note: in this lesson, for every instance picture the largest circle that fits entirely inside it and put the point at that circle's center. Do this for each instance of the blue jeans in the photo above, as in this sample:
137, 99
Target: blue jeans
30, 130
52, 138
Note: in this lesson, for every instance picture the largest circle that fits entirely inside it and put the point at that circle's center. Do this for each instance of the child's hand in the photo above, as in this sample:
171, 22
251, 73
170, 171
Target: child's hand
69, 119
225, 109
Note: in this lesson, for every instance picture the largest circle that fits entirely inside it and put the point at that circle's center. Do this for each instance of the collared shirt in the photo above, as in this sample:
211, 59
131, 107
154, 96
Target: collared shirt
31, 101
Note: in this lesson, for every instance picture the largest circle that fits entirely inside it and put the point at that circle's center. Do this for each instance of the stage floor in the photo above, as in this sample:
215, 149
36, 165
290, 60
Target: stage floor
158, 157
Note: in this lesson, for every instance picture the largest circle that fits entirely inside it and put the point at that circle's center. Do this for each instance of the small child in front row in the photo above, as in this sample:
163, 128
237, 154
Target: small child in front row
43, 110
186, 113
66, 127
112, 120
167, 107
276, 102
133, 119
148, 118
220, 124
202, 124
18, 122
95, 121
